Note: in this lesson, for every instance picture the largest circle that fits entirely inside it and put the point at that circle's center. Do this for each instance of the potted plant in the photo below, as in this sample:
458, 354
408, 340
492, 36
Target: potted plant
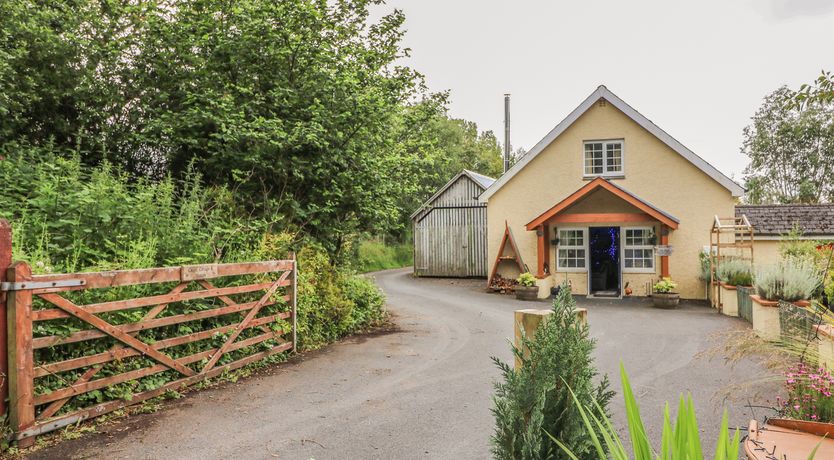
526, 288
663, 295
731, 274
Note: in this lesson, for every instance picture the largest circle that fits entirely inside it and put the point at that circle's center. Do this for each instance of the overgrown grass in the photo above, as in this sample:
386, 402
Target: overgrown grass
374, 255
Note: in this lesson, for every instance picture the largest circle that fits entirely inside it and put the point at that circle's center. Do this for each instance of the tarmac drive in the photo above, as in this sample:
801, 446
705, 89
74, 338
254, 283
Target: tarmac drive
424, 392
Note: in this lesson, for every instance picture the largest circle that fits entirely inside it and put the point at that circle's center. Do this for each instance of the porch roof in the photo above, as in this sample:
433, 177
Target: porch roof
601, 183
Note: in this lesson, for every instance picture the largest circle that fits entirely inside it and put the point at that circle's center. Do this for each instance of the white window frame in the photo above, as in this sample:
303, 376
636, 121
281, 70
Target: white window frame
584, 247
605, 171
625, 245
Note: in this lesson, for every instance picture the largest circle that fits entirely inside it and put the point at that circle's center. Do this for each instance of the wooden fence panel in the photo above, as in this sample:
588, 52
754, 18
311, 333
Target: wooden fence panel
253, 330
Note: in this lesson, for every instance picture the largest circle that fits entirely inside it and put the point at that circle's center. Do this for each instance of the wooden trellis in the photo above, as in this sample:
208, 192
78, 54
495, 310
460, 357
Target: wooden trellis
730, 237
271, 329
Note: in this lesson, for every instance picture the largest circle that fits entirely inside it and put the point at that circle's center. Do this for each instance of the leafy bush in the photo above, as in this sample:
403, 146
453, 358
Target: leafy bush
678, 441
69, 218
735, 272
809, 394
536, 397
375, 255
790, 280
664, 286
526, 279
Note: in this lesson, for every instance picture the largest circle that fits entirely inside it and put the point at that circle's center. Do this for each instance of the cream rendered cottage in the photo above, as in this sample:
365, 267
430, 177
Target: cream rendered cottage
607, 200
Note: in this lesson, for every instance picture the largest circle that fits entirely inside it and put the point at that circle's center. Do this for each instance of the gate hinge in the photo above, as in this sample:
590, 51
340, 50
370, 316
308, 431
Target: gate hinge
10, 286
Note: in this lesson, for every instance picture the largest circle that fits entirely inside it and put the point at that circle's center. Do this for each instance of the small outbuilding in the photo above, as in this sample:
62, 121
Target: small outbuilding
450, 229
773, 224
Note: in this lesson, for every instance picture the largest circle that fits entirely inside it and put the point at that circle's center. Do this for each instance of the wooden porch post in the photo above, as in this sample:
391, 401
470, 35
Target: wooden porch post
664, 260
542, 257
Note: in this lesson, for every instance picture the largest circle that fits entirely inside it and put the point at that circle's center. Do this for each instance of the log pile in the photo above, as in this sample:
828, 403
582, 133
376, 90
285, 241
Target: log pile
503, 285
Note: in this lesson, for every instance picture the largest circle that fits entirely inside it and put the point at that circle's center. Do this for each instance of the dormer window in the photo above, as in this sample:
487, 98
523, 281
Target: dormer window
603, 158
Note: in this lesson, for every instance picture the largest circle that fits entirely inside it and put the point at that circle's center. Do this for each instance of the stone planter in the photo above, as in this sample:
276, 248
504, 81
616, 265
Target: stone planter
666, 300
766, 318
527, 292
729, 299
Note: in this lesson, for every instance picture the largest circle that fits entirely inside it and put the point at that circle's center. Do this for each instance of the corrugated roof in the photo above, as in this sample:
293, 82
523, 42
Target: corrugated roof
780, 219
485, 181
479, 179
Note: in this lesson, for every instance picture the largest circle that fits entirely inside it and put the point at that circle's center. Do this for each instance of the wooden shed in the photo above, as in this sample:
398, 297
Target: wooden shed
450, 229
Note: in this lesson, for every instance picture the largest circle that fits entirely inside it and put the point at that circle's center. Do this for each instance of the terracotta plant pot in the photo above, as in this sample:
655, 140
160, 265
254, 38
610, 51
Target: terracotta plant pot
527, 292
666, 300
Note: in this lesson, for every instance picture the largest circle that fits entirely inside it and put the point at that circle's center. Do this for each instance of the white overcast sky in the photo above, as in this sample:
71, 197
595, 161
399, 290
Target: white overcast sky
698, 69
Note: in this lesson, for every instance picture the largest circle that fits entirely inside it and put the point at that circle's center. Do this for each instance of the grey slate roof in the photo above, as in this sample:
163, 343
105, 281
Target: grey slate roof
779, 219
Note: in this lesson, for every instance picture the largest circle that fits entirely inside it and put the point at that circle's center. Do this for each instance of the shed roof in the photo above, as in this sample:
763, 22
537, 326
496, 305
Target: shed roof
479, 179
780, 219
603, 93
485, 181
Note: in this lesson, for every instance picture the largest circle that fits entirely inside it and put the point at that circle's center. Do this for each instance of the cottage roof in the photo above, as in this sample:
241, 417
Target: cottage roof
603, 93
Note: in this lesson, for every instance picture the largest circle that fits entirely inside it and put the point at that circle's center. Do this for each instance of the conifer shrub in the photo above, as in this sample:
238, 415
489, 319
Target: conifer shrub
535, 399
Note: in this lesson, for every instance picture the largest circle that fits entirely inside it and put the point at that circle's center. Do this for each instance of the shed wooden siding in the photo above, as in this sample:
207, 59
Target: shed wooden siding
450, 233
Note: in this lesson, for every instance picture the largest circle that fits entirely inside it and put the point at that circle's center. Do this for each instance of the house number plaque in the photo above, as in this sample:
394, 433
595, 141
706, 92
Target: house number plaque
665, 250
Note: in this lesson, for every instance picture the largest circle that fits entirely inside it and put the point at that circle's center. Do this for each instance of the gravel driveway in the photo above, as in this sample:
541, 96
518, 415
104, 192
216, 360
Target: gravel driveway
425, 390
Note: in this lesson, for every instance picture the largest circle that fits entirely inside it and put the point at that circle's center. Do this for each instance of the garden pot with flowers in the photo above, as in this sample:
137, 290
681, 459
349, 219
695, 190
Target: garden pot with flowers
790, 281
526, 288
663, 295
803, 426
731, 273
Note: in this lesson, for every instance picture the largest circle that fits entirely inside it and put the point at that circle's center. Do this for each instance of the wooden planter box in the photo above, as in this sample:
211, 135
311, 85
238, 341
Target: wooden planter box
766, 318
729, 299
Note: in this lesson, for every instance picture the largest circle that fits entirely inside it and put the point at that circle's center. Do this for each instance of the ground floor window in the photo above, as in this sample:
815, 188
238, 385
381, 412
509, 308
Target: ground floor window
638, 250
571, 252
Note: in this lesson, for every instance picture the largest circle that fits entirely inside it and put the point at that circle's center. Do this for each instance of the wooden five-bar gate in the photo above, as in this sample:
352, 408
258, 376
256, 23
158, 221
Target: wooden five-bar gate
208, 332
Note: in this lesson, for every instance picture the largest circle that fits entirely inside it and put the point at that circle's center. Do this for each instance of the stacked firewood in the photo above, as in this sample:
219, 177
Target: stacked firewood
503, 285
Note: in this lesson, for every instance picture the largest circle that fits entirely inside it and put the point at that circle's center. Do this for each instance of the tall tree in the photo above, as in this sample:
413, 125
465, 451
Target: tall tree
790, 149
429, 148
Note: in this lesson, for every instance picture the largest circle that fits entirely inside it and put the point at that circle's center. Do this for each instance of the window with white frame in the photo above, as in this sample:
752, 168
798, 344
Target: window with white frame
603, 158
570, 255
638, 250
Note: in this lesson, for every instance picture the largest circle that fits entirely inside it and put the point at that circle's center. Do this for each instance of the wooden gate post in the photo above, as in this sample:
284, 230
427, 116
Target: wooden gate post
5, 263
294, 300
21, 356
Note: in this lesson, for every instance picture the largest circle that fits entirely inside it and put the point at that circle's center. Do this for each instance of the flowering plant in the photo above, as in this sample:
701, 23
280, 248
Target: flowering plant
809, 394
